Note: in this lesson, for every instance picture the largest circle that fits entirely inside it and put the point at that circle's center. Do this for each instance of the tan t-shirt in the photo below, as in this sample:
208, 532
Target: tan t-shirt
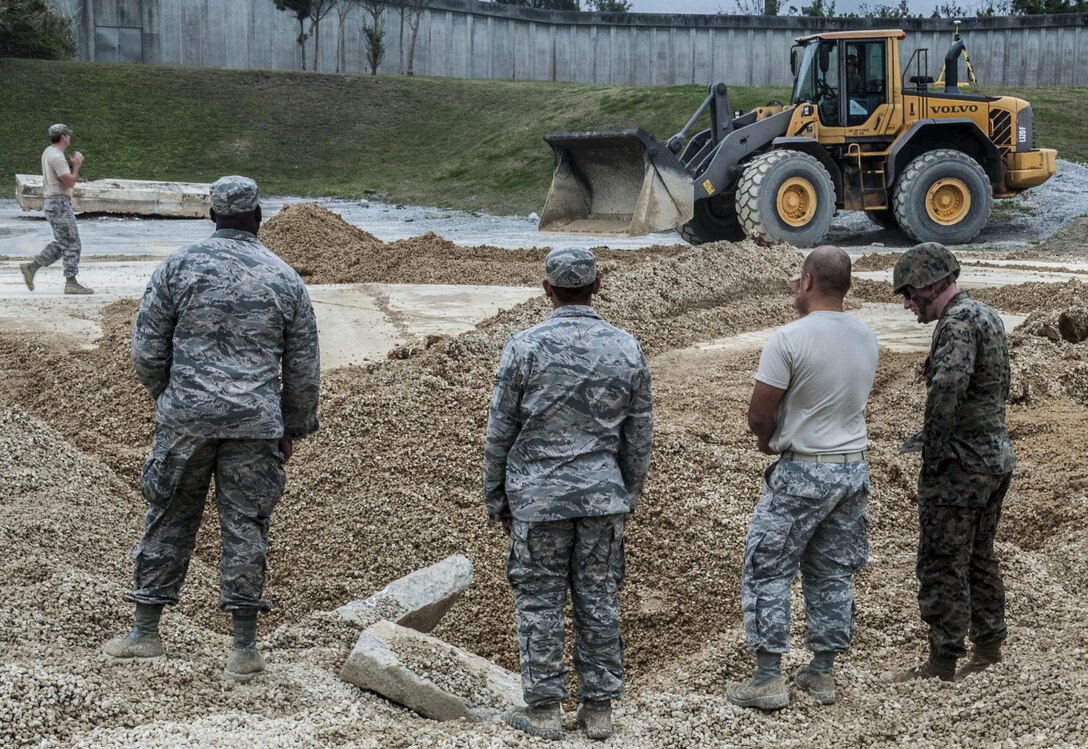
53, 166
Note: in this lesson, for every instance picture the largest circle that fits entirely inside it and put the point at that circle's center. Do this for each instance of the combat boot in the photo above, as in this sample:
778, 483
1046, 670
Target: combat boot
820, 686
72, 286
135, 647
29, 269
767, 689
244, 665
765, 695
595, 716
545, 721
985, 655
937, 667
143, 642
245, 661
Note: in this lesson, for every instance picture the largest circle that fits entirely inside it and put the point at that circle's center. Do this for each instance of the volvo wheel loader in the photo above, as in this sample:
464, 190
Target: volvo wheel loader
858, 135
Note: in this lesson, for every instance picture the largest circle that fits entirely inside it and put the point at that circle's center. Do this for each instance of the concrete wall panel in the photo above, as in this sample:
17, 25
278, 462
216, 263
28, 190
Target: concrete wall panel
465, 38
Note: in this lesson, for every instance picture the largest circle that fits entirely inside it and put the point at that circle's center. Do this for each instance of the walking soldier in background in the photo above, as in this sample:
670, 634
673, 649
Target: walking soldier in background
967, 463
808, 407
567, 453
58, 180
226, 343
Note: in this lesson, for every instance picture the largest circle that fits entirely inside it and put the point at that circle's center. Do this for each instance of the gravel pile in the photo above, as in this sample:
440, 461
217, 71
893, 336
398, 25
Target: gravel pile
324, 248
392, 483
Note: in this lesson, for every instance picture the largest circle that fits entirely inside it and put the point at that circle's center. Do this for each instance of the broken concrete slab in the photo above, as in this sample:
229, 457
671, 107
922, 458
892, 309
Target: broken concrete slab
418, 600
123, 196
432, 677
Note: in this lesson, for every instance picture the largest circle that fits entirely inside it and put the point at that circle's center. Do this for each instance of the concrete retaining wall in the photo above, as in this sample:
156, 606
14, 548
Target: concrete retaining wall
470, 39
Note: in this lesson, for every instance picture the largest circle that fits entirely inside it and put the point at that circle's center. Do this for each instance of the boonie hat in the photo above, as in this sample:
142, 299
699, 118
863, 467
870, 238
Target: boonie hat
570, 267
59, 129
234, 195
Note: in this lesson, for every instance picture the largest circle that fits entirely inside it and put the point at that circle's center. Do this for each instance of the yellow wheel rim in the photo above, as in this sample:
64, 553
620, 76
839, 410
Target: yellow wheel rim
796, 201
948, 201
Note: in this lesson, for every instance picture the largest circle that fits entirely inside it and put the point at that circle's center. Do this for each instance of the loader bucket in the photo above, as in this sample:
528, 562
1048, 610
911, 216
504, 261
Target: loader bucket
616, 182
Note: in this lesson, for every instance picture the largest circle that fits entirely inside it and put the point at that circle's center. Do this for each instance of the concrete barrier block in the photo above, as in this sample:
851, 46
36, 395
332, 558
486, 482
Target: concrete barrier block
431, 677
418, 600
124, 196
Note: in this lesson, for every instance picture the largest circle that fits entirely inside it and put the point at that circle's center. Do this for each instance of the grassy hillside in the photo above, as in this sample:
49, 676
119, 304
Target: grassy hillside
451, 143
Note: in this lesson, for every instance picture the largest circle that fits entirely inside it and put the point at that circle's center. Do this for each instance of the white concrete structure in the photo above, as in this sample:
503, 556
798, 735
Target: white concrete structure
122, 196
418, 600
430, 676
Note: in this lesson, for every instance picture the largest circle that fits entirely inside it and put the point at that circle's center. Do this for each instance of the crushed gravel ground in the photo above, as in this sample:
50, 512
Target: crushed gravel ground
392, 483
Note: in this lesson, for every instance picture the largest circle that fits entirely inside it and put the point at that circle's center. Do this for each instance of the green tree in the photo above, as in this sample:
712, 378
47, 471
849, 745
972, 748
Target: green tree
30, 28
301, 10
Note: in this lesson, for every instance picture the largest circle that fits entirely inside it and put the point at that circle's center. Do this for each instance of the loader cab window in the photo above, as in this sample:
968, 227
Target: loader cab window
866, 68
818, 80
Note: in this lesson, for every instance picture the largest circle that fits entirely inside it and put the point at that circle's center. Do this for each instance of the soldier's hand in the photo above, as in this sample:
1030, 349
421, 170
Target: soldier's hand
286, 447
77, 158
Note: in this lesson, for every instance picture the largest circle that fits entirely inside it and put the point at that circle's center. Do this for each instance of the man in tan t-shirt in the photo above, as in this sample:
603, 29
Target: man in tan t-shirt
58, 179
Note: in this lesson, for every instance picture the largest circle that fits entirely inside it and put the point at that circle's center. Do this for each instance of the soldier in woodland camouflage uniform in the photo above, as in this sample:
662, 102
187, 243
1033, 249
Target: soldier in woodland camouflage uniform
226, 343
567, 453
808, 407
58, 180
967, 463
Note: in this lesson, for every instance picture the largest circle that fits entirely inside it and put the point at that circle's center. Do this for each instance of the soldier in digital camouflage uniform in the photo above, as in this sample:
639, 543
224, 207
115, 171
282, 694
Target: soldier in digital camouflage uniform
58, 180
226, 343
808, 407
567, 453
967, 463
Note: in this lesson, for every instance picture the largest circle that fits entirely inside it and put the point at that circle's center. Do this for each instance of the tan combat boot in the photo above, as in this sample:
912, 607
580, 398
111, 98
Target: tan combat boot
937, 667
771, 694
72, 286
28, 270
985, 655
135, 647
820, 686
545, 721
244, 665
595, 716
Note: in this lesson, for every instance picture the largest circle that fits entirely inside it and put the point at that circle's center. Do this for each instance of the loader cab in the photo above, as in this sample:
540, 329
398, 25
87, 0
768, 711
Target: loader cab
845, 78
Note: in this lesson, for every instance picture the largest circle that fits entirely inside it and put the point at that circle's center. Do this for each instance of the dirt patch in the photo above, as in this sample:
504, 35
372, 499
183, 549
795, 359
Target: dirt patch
324, 248
1070, 240
876, 261
1029, 297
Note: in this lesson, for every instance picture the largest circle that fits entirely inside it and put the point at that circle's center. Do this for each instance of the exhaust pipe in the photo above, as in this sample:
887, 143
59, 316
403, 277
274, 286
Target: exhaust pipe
952, 68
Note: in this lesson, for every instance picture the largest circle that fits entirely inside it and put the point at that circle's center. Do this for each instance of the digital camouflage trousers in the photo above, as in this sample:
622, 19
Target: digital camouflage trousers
65, 244
544, 559
960, 588
812, 517
249, 481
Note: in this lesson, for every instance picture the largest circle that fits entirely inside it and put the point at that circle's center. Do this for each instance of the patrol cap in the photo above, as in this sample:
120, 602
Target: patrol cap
59, 129
234, 196
923, 265
570, 267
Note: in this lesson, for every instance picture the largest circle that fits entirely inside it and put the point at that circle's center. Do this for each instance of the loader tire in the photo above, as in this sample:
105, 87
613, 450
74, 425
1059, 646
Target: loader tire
884, 218
785, 196
943, 196
714, 219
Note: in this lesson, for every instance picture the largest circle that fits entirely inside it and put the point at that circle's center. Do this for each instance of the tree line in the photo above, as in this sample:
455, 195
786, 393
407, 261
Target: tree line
310, 13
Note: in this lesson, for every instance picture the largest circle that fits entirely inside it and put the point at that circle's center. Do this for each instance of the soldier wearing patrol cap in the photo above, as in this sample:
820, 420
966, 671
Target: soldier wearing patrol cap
567, 453
58, 180
967, 463
226, 343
